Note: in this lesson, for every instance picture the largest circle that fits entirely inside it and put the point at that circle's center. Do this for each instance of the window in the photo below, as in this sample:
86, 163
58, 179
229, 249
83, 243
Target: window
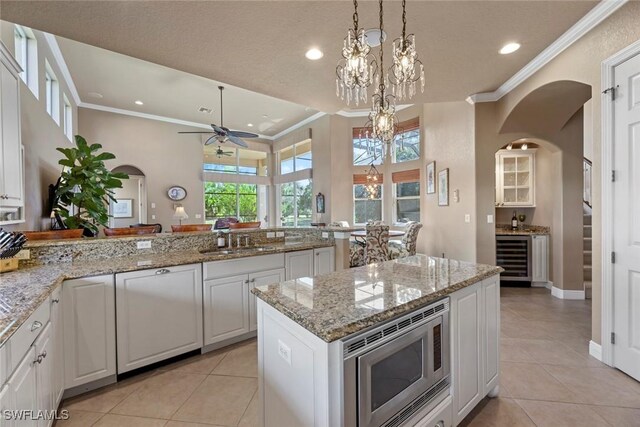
27, 56
296, 157
295, 203
366, 207
407, 201
225, 159
67, 115
362, 154
52, 93
407, 142
224, 200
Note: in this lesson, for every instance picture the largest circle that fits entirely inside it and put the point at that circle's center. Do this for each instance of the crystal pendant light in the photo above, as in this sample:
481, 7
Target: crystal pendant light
407, 69
374, 179
382, 125
356, 69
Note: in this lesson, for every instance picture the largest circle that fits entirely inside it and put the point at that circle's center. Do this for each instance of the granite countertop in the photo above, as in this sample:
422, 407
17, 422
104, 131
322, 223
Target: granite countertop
336, 305
22, 291
527, 230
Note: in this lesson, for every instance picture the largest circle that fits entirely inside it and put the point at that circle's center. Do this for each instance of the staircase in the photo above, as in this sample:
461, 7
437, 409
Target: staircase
586, 253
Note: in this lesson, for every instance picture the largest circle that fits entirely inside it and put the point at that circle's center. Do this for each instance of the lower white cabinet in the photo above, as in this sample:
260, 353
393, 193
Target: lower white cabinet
299, 264
57, 347
259, 279
159, 314
89, 329
540, 258
6, 404
44, 373
474, 343
23, 388
226, 306
325, 261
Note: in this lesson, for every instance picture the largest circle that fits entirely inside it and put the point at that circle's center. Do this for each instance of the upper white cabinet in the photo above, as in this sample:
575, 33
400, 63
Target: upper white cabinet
89, 319
11, 164
515, 178
325, 261
159, 314
299, 264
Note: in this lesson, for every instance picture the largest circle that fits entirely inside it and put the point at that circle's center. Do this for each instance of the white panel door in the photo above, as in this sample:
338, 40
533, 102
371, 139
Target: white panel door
226, 308
23, 387
11, 185
44, 372
539, 258
57, 347
260, 279
324, 261
89, 329
6, 404
299, 264
626, 221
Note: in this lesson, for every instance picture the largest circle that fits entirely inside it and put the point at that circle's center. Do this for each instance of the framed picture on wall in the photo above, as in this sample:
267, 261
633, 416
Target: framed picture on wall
122, 208
431, 178
443, 187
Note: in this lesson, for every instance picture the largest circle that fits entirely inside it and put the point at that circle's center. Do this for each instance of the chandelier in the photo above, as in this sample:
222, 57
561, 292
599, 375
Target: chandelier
357, 68
382, 127
374, 179
407, 69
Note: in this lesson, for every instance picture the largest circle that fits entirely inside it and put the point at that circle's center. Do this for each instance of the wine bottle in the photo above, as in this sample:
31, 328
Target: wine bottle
514, 221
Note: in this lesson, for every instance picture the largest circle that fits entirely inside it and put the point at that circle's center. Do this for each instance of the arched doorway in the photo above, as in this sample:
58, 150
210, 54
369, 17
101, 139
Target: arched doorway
131, 205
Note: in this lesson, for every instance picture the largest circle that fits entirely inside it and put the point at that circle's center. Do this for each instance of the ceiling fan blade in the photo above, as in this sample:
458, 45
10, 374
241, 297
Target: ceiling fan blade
211, 140
206, 131
218, 129
237, 141
242, 134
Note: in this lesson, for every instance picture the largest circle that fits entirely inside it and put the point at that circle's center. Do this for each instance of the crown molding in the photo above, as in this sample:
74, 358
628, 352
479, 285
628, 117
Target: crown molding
62, 66
594, 17
297, 126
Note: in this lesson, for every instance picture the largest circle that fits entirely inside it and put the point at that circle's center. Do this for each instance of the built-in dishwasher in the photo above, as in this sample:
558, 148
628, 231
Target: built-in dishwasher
513, 253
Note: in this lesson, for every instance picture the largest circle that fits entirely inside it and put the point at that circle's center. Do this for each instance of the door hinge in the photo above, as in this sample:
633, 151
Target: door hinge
613, 338
613, 257
613, 176
612, 90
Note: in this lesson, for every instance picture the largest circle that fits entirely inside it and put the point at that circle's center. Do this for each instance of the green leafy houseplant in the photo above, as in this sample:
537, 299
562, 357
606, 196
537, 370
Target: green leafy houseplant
86, 186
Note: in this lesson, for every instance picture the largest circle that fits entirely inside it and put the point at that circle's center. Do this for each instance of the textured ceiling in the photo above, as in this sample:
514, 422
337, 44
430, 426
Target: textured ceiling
260, 45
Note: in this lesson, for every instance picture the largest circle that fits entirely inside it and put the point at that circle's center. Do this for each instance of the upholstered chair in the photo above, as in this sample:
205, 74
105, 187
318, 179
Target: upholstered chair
409, 243
375, 249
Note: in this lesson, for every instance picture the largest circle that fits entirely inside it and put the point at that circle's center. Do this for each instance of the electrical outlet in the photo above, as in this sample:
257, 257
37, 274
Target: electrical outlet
489, 219
153, 217
279, 233
144, 244
153, 205
144, 263
24, 254
284, 351
456, 196
467, 218
325, 235
270, 234
198, 216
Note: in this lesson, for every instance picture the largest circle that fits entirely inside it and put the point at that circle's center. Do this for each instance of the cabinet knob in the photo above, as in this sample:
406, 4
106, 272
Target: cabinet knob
55, 301
246, 282
44, 354
253, 280
163, 271
36, 325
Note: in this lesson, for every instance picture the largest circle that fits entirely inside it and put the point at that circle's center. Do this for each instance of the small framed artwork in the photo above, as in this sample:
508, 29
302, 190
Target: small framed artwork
431, 178
177, 193
443, 187
320, 203
122, 208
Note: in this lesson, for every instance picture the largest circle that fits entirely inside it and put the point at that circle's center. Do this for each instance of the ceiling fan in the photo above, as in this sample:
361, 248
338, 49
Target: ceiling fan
221, 134
220, 153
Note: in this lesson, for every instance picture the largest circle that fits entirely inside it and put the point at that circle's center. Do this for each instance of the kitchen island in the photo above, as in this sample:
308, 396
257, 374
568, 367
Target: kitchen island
331, 348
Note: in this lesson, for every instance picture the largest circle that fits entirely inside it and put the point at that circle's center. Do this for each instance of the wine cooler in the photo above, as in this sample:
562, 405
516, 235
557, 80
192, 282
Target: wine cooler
513, 253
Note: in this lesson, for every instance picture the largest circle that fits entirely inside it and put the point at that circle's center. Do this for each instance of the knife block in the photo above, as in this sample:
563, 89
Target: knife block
8, 264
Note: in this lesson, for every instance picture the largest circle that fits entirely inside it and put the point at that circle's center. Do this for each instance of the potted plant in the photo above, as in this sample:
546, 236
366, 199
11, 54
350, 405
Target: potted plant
86, 186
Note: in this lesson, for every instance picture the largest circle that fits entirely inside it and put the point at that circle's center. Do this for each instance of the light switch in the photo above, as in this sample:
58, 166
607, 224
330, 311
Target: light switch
325, 235
270, 234
279, 233
198, 216
456, 196
284, 351
467, 218
489, 219
153, 217
153, 205
144, 244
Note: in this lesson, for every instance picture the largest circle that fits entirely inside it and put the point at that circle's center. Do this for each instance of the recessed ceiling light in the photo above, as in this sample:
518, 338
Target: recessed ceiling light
138, 102
509, 48
373, 36
95, 95
250, 125
314, 54
524, 146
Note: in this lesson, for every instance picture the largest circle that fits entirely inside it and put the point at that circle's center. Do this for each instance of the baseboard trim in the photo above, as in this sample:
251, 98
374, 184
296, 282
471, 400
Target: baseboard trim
547, 285
595, 350
567, 294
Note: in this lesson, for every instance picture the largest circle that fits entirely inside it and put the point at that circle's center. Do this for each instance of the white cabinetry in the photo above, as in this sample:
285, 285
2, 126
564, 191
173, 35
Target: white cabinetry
475, 336
159, 314
23, 387
515, 178
11, 165
299, 264
324, 262
259, 279
540, 258
44, 373
57, 347
89, 329
6, 404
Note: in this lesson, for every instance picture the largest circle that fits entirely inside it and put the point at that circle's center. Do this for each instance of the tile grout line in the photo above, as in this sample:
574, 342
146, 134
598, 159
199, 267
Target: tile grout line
204, 377
247, 408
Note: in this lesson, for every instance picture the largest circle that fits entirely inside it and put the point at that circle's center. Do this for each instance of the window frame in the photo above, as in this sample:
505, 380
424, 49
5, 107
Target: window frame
27, 58
67, 117
397, 143
52, 93
396, 198
366, 199
294, 157
237, 194
295, 201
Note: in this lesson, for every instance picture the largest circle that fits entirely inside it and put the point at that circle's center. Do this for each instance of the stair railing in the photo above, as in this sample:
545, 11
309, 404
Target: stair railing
587, 180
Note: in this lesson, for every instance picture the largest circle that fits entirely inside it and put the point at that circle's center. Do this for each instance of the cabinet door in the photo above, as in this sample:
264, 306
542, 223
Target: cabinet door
515, 179
259, 279
159, 314
6, 404
324, 261
23, 387
89, 329
299, 264
491, 332
57, 352
44, 373
540, 259
11, 185
467, 366
226, 307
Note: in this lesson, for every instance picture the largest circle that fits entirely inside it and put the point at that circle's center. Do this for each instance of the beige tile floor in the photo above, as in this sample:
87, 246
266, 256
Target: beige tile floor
547, 379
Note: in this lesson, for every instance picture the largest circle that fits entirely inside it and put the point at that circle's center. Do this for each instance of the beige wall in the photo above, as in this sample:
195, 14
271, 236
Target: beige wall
582, 62
40, 135
154, 147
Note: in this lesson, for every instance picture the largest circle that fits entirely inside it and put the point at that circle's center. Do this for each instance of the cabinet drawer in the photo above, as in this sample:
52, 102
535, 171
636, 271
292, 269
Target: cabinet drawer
28, 332
232, 267
440, 416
